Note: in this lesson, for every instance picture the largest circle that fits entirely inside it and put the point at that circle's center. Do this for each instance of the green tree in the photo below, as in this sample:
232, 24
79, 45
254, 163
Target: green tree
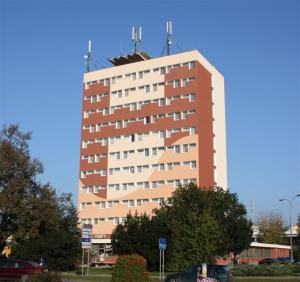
235, 229
271, 228
198, 224
32, 218
60, 246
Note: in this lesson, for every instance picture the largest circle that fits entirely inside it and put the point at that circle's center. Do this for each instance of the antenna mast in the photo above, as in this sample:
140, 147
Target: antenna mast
87, 57
136, 36
169, 36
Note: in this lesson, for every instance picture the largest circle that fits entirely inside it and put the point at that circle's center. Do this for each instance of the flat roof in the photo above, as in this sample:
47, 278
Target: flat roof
130, 58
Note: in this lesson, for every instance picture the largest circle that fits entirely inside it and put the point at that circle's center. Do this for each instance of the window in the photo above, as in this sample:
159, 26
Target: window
193, 164
147, 88
154, 184
176, 83
118, 155
177, 149
192, 65
113, 80
124, 186
131, 203
146, 120
154, 151
125, 154
132, 107
125, 123
185, 148
184, 82
192, 130
177, 116
141, 75
162, 70
118, 124
139, 105
162, 167
154, 87
161, 102
91, 159
132, 138
169, 166
185, 115
191, 97
146, 152
133, 76
138, 203
117, 187
146, 185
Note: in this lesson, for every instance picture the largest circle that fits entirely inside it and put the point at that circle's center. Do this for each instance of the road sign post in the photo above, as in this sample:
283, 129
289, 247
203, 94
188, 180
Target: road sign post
86, 244
162, 244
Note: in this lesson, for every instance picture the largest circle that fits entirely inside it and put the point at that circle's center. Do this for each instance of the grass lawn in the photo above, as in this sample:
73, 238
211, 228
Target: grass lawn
104, 275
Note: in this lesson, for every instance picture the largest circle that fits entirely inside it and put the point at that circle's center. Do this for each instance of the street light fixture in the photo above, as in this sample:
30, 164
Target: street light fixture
290, 214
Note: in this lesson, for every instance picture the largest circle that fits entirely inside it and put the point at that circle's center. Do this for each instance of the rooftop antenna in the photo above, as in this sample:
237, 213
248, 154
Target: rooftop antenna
169, 36
87, 57
136, 36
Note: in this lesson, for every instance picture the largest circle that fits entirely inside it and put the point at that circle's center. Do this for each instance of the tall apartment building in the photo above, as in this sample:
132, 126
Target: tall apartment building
148, 126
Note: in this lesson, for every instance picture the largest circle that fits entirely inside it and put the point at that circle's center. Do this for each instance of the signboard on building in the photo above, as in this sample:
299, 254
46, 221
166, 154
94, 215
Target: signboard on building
86, 236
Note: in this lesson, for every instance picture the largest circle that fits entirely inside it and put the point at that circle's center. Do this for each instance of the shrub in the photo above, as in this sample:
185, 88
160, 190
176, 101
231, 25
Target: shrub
262, 270
45, 277
130, 268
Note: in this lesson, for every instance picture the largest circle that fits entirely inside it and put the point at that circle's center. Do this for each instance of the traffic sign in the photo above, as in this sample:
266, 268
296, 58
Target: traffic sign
162, 243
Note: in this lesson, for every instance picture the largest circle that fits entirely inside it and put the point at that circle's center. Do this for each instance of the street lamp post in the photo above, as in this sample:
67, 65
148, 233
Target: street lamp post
290, 215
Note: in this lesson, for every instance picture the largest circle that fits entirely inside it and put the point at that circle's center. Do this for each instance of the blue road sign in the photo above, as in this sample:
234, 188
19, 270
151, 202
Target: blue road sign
162, 243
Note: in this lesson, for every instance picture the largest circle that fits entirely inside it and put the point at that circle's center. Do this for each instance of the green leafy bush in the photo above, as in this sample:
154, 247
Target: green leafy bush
130, 268
45, 277
262, 270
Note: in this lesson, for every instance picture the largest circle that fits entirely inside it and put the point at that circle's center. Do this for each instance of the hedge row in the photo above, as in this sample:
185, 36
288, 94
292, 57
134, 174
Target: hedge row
266, 270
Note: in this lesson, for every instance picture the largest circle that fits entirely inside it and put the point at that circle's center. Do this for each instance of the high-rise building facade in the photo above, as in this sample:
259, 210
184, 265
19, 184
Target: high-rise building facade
148, 126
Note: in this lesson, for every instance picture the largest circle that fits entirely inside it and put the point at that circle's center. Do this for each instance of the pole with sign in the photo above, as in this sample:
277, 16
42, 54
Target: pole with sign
86, 244
162, 244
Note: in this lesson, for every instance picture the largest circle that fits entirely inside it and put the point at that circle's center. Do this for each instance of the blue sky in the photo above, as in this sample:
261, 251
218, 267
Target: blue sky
254, 44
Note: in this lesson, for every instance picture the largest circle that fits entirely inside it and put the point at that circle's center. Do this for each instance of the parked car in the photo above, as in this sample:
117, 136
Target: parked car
284, 260
220, 272
268, 261
16, 270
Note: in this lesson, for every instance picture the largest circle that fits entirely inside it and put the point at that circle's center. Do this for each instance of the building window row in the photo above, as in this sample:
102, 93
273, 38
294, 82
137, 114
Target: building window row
158, 166
100, 172
140, 75
150, 185
94, 158
138, 105
145, 119
96, 98
135, 136
130, 203
93, 189
183, 82
152, 151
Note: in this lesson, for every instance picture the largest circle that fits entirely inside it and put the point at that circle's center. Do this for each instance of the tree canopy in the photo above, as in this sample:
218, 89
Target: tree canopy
271, 228
198, 224
33, 219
